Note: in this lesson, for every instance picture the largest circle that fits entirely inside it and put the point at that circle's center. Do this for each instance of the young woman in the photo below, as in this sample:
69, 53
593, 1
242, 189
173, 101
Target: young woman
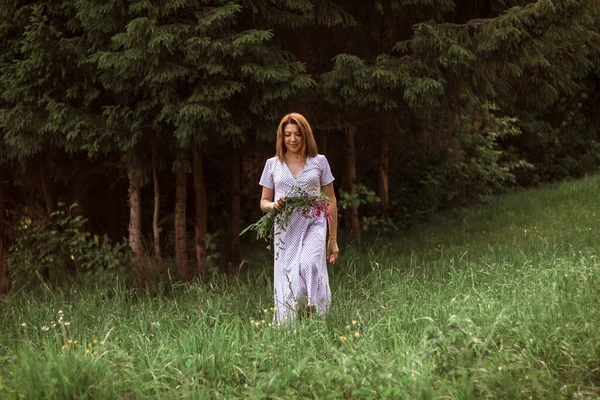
303, 246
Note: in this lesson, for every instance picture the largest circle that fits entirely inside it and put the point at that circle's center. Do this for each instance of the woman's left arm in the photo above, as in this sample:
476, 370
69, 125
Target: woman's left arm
332, 247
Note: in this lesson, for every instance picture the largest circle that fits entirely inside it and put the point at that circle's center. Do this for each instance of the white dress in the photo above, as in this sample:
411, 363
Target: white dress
300, 248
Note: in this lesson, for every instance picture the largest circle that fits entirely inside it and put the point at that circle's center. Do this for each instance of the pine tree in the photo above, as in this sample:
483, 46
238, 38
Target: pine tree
45, 90
492, 59
466, 60
181, 69
5, 281
190, 83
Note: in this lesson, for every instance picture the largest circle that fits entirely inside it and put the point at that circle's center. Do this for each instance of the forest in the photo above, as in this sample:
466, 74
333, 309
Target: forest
133, 132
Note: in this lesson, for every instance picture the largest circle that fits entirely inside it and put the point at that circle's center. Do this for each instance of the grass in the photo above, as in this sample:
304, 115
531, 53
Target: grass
494, 301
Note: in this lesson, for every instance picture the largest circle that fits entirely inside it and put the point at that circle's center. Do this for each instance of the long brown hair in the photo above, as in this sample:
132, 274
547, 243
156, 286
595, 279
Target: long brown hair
309, 145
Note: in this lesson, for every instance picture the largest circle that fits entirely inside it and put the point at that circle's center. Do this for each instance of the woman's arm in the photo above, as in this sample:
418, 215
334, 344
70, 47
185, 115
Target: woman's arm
332, 247
266, 200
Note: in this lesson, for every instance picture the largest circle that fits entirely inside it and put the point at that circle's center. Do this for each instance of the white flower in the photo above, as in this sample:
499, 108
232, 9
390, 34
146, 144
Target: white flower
24, 325
45, 328
67, 323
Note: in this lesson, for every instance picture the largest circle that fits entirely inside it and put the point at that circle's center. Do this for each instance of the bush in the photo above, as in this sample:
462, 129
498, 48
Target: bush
459, 164
61, 244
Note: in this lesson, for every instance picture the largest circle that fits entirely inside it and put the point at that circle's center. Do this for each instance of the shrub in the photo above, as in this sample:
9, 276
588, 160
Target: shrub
61, 244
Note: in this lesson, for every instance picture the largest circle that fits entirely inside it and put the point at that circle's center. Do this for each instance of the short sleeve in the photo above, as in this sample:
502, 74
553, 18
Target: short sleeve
266, 179
326, 175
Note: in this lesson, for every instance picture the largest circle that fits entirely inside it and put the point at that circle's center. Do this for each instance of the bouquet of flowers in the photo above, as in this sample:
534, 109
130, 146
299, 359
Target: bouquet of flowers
311, 205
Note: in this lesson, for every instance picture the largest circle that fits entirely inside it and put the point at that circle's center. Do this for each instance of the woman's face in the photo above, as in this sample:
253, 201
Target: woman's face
292, 138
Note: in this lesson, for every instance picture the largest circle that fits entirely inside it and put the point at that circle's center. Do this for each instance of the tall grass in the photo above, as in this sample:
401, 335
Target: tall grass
495, 301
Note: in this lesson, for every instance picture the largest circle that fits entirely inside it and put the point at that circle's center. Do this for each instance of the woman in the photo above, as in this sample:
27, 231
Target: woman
300, 247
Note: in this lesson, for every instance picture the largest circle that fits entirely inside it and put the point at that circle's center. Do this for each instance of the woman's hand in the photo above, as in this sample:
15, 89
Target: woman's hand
278, 205
267, 203
332, 250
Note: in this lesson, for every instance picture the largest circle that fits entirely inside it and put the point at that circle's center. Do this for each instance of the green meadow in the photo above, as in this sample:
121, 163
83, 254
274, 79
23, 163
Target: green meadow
493, 301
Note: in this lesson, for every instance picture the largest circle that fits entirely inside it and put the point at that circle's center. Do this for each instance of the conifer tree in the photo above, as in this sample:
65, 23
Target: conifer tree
5, 56
458, 59
5, 282
45, 89
183, 67
181, 82
273, 80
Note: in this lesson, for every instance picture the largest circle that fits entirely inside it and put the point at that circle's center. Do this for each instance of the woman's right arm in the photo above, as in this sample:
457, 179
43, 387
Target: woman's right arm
266, 200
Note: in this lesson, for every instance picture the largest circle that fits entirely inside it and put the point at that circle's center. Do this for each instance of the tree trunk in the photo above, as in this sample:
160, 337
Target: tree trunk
155, 214
384, 169
111, 215
323, 143
201, 214
46, 184
4, 269
234, 210
135, 219
351, 170
79, 197
180, 217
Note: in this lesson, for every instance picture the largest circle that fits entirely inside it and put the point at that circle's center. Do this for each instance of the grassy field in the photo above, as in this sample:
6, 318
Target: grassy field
495, 301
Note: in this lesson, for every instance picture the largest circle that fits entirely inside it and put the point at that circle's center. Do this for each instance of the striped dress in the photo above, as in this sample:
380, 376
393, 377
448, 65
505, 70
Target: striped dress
300, 271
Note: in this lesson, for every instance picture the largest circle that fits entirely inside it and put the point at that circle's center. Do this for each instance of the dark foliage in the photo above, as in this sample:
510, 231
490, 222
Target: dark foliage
433, 104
